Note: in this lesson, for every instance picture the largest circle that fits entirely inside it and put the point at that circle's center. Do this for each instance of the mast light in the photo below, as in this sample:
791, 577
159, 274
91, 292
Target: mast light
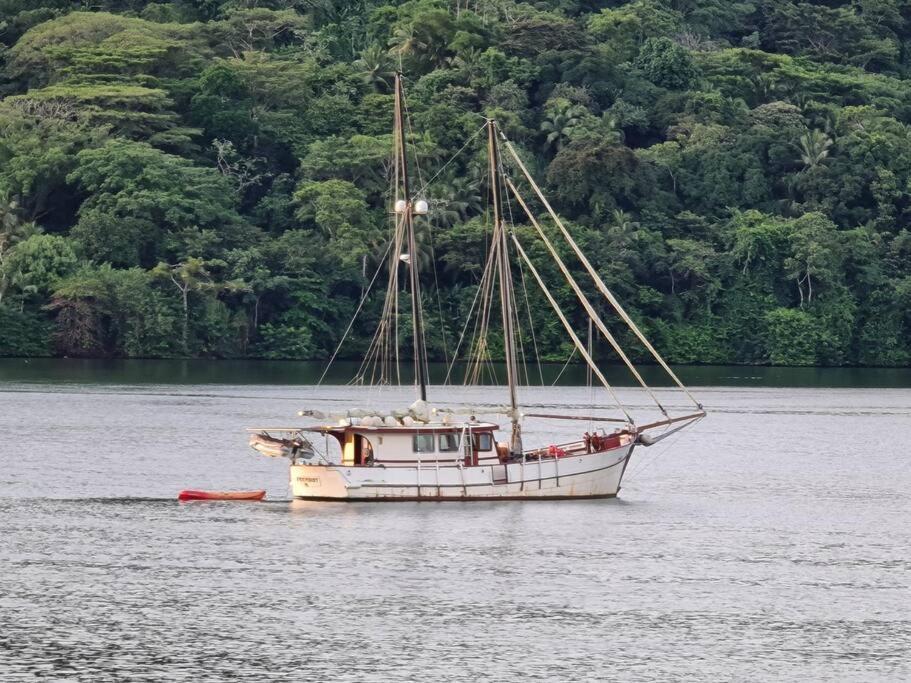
420, 207
400, 206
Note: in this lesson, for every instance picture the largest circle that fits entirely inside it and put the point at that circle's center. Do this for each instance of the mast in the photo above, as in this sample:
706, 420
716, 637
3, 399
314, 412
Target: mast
408, 217
509, 347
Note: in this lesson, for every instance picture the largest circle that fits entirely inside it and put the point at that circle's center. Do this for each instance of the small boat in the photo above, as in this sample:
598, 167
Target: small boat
279, 448
192, 494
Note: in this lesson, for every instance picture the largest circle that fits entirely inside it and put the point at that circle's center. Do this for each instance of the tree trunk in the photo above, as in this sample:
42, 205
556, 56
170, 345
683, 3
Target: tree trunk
185, 291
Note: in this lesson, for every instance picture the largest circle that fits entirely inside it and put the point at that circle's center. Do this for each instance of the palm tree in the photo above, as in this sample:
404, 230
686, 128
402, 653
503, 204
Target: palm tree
623, 225
376, 68
469, 62
765, 87
609, 129
623, 236
814, 148
561, 119
12, 230
424, 40
455, 200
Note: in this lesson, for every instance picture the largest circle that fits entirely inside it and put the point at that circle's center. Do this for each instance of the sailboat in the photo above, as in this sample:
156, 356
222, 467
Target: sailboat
425, 453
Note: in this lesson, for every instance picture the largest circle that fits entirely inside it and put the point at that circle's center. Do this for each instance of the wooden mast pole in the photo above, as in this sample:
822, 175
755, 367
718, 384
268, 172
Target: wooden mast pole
515, 445
408, 217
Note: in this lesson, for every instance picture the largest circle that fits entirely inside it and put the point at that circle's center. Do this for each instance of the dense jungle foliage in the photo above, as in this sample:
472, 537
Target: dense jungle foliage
209, 177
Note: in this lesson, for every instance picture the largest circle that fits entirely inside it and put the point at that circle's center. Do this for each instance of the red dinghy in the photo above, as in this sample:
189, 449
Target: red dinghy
192, 494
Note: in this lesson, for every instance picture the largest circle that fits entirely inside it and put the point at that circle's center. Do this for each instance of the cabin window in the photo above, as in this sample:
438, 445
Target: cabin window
449, 442
423, 443
483, 441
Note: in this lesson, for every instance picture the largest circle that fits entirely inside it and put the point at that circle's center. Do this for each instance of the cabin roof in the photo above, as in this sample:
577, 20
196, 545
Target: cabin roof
434, 427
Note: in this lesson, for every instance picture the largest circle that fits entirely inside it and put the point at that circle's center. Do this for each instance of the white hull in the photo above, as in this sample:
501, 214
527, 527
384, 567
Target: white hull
595, 475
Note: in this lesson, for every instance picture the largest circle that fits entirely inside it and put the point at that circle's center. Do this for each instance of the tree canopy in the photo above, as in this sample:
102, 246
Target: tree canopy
210, 177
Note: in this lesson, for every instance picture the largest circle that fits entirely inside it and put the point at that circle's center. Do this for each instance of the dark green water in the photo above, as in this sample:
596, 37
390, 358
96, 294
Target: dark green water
308, 373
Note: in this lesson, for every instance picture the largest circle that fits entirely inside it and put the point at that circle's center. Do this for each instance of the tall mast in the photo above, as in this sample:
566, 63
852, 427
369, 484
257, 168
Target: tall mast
408, 217
505, 288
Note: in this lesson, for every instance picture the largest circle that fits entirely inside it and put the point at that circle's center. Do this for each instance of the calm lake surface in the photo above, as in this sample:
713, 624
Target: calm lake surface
769, 542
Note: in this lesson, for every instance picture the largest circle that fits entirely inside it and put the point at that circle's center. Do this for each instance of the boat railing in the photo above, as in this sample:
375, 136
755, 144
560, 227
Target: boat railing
569, 448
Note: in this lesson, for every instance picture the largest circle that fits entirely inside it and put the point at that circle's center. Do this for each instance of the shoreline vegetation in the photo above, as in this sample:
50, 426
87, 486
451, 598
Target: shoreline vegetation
438, 365
208, 178
131, 371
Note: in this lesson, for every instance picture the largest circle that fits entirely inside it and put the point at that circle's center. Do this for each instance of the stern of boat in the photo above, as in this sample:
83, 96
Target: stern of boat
318, 481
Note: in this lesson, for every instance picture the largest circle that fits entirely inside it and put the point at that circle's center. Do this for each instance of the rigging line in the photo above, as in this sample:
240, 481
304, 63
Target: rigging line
531, 324
395, 161
474, 348
648, 463
354, 317
569, 329
518, 328
479, 352
414, 151
492, 371
402, 118
516, 318
597, 278
436, 285
480, 359
394, 265
381, 349
375, 341
516, 323
588, 377
565, 365
389, 326
372, 357
379, 344
507, 300
586, 304
479, 335
473, 344
420, 357
486, 360
425, 358
424, 187
468, 319
482, 354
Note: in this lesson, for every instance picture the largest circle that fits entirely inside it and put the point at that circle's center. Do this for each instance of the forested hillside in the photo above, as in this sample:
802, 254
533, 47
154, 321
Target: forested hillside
208, 177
